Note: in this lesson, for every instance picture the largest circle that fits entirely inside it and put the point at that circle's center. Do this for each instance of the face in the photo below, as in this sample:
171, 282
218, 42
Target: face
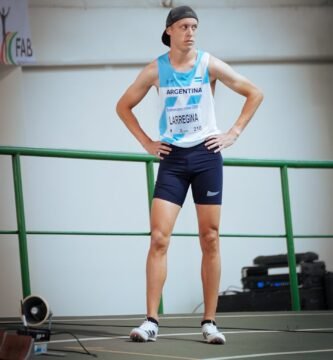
182, 33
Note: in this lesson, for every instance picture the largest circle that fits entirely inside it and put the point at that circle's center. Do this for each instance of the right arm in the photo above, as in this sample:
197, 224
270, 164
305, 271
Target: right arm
132, 96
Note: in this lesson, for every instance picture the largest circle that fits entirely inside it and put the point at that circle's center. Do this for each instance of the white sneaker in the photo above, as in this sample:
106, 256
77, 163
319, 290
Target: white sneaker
146, 332
212, 335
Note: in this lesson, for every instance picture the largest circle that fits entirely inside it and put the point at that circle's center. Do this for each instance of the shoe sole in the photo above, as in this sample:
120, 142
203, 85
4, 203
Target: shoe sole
216, 341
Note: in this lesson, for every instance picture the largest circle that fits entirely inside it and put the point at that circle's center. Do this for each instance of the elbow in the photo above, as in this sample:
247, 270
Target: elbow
119, 108
256, 96
259, 95
123, 108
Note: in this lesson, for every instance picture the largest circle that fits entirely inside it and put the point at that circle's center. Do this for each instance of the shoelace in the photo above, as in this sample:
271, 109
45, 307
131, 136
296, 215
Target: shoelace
147, 325
211, 329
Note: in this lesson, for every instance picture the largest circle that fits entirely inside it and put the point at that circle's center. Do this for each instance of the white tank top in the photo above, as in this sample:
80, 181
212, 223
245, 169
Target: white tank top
187, 103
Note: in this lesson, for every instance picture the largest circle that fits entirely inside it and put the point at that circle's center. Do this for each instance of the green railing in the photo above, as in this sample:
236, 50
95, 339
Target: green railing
283, 165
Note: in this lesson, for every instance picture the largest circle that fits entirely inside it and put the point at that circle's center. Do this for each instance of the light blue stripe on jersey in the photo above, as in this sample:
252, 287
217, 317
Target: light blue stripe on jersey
170, 101
194, 99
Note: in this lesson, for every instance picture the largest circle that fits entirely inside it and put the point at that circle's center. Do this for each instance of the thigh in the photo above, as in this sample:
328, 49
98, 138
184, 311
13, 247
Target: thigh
172, 182
207, 182
163, 216
208, 217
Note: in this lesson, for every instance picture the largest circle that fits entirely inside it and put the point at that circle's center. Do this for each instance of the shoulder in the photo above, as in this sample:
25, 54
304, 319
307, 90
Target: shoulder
216, 66
151, 70
220, 70
212, 62
148, 75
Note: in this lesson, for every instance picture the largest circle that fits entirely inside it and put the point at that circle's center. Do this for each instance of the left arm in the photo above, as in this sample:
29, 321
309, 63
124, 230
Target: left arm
219, 70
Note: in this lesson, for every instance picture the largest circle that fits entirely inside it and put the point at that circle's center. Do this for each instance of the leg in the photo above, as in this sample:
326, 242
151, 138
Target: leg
209, 219
170, 192
163, 218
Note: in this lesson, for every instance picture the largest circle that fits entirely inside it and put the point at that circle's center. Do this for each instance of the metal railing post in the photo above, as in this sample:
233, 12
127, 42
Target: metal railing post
150, 182
295, 301
20, 218
151, 186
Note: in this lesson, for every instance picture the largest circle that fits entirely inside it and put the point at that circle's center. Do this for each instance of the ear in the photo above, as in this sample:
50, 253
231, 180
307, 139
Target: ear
168, 30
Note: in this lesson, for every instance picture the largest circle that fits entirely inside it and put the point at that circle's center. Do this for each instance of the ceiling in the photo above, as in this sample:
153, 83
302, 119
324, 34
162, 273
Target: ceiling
172, 3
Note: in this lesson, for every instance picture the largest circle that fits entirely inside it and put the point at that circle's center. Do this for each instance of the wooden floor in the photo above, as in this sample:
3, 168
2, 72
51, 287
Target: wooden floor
256, 335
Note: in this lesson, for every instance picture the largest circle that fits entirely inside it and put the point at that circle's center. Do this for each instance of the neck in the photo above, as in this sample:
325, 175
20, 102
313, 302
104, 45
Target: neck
182, 59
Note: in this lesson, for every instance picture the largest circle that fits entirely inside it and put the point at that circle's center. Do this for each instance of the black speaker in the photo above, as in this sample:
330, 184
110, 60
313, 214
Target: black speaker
275, 300
35, 310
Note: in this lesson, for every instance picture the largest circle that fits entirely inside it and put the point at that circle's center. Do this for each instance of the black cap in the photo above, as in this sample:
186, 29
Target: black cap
175, 14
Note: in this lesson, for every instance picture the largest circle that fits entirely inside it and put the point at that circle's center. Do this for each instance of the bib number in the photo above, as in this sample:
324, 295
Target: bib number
184, 120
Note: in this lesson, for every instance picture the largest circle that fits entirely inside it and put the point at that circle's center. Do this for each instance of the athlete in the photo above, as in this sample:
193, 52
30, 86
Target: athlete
189, 150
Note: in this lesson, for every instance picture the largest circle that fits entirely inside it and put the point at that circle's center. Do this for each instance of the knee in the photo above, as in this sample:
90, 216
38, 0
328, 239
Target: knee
210, 242
159, 241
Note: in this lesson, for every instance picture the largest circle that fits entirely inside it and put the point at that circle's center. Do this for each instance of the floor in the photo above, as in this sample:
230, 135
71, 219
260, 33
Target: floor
256, 335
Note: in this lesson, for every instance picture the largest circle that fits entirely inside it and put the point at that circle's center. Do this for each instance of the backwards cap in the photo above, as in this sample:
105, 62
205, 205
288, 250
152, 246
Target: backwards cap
175, 14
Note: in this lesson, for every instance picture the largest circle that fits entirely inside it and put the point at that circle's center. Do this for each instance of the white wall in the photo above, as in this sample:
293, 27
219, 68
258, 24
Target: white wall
86, 59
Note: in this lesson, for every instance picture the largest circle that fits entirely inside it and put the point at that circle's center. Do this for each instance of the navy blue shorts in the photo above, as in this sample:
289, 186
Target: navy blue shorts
196, 166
